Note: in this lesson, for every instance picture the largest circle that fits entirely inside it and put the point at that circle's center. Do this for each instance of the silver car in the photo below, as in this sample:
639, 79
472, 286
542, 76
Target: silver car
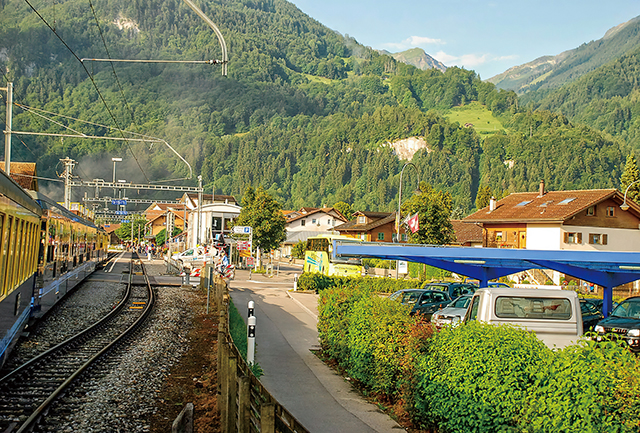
453, 313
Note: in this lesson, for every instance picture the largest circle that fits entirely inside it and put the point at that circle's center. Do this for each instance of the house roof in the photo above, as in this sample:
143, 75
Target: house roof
307, 211
552, 206
380, 218
466, 232
164, 214
110, 228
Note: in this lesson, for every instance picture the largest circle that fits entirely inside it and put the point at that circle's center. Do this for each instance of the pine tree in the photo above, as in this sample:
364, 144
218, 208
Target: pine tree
628, 177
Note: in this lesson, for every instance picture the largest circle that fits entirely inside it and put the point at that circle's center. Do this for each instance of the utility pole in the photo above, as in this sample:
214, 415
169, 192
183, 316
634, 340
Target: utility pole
68, 168
7, 132
199, 208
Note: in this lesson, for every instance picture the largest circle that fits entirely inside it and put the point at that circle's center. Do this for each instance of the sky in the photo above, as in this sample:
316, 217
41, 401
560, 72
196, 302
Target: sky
486, 36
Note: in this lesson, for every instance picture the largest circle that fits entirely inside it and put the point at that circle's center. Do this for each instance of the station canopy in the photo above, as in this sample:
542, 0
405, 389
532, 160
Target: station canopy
605, 268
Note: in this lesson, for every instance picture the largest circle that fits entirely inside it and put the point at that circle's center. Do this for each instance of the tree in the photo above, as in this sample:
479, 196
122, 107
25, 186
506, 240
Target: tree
483, 197
630, 175
161, 237
344, 209
124, 231
433, 208
261, 212
299, 249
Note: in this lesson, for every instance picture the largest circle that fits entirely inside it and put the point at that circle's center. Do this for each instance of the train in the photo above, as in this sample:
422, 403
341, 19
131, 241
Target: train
45, 252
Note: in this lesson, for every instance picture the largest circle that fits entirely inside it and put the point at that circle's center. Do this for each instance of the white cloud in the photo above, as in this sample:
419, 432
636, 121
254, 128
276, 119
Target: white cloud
413, 41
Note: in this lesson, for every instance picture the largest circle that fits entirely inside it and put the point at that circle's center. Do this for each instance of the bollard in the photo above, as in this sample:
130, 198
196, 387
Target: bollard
295, 282
250, 309
251, 340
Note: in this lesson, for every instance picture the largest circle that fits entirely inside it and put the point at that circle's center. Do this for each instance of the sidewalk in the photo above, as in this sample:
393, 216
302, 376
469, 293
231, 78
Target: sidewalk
286, 336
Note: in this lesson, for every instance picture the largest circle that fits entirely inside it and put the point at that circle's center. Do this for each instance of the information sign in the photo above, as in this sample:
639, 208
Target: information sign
242, 230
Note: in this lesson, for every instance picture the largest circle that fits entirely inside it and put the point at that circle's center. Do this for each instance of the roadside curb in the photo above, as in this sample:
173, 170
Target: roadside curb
301, 305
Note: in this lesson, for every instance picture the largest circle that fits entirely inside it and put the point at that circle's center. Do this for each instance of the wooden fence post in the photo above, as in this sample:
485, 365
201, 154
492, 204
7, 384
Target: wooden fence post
244, 401
268, 418
223, 382
232, 387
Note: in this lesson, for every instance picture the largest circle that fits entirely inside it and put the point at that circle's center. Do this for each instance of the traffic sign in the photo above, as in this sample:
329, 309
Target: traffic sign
243, 245
242, 230
119, 202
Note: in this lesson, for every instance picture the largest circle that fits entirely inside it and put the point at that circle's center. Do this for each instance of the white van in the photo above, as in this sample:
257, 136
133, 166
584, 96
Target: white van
554, 315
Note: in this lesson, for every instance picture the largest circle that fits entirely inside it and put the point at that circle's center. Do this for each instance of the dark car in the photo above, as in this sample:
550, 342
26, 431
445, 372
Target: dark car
455, 290
590, 315
624, 322
422, 301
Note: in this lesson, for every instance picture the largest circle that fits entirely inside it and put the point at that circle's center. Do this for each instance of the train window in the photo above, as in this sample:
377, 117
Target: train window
11, 248
17, 264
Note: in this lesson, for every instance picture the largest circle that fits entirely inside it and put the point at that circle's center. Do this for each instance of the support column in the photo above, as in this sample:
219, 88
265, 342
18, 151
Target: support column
607, 301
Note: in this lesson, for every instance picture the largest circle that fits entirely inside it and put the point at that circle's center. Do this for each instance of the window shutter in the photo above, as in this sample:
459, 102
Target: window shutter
566, 237
605, 239
579, 237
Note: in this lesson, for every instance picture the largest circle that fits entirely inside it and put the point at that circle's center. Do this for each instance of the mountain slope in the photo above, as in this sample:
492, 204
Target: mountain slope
305, 112
418, 58
550, 72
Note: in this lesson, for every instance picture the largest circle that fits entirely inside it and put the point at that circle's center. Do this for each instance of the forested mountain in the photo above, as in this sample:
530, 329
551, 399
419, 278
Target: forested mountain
607, 98
305, 111
551, 72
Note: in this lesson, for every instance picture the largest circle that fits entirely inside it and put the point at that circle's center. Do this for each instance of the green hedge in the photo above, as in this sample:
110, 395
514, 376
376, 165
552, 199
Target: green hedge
318, 282
477, 377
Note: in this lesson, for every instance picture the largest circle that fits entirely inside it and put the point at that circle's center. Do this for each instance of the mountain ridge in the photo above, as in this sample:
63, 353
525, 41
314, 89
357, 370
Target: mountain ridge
552, 71
416, 57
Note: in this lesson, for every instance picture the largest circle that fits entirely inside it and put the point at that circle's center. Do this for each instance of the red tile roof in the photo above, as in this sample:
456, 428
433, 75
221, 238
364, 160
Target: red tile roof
466, 232
552, 206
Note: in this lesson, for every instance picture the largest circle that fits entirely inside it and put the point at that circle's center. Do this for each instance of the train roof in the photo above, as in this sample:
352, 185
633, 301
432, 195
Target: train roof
47, 204
10, 189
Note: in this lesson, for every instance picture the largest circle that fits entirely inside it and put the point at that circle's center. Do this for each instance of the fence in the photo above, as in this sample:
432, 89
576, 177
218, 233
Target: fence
244, 404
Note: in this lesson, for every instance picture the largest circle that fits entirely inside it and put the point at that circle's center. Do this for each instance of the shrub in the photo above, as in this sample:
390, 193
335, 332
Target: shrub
318, 282
475, 377
586, 388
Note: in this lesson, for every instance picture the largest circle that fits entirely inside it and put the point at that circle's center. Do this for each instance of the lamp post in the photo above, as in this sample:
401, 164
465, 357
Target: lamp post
399, 204
624, 205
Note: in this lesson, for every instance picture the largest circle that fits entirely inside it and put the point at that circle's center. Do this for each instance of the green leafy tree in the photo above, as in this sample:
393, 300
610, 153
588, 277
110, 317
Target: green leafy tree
433, 208
630, 175
161, 237
483, 196
298, 249
344, 209
124, 231
261, 212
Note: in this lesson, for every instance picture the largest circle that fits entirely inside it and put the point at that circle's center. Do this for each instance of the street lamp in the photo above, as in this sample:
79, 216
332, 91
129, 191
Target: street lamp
114, 172
399, 204
624, 205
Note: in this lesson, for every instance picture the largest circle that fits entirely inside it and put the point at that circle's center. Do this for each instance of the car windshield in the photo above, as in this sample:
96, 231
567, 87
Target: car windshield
461, 302
406, 298
629, 308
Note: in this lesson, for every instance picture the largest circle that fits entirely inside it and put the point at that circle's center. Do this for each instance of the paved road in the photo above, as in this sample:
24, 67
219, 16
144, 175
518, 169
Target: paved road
286, 333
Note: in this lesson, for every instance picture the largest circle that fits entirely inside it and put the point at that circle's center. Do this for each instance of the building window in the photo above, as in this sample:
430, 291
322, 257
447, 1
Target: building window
363, 237
313, 221
572, 238
591, 211
362, 219
403, 236
598, 239
380, 236
611, 212
498, 236
303, 223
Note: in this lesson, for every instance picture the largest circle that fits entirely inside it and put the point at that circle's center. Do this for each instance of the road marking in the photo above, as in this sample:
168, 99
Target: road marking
113, 263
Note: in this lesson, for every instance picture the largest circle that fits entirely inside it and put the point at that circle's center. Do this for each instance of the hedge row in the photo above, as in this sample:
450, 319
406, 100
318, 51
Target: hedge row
318, 282
477, 377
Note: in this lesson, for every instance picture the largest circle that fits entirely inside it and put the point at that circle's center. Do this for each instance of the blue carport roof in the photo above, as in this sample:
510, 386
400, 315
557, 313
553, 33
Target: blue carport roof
605, 268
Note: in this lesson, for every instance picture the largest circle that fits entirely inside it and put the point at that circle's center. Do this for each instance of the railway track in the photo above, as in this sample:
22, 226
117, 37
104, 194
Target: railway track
28, 392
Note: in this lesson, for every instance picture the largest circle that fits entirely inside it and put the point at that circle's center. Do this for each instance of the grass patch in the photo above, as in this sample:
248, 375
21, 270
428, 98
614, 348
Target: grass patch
238, 330
476, 114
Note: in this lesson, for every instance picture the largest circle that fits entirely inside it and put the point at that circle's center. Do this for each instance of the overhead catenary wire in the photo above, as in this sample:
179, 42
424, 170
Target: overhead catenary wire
94, 85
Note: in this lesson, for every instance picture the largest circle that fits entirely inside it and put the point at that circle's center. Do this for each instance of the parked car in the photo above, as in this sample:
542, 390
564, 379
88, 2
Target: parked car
597, 302
498, 284
553, 315
422, 301
455, 290
453, 313
590, 315
624, 322
192, 255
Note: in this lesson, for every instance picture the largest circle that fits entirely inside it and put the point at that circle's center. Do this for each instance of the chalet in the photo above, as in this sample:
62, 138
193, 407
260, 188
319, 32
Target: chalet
560, 220
309, 221
467, 235
372, 227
